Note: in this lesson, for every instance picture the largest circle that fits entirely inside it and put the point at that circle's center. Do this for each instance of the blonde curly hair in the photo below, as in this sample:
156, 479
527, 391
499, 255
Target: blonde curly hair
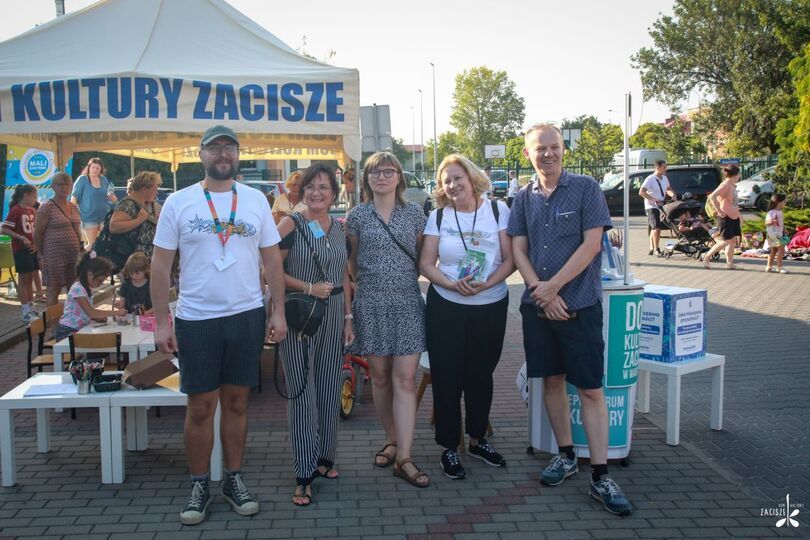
480, 183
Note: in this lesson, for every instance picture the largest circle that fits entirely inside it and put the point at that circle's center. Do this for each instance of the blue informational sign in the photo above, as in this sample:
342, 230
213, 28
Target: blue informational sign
29, 166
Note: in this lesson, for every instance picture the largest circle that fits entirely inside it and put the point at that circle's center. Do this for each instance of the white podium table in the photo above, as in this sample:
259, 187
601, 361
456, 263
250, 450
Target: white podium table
674, 371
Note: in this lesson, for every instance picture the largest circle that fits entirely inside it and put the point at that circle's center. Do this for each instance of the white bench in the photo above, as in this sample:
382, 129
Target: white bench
674, 371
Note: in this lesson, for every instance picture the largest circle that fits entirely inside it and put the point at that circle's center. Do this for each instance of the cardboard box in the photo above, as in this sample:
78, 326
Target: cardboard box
148, 371
673, 323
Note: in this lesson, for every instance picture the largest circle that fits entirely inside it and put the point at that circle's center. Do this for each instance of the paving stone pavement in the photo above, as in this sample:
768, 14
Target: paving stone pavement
711, 486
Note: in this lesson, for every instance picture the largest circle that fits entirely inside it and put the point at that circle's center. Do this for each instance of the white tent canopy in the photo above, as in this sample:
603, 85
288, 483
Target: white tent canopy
148, 76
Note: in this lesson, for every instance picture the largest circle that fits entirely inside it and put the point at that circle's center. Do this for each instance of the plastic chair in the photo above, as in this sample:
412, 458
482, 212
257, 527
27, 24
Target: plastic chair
7, 261
107, 341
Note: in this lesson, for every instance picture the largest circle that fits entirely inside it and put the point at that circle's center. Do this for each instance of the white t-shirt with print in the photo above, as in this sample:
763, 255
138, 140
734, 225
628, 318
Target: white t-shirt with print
186, 224
451, 248
660, 193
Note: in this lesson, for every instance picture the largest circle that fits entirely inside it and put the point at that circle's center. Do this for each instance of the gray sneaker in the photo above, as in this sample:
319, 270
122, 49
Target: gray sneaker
236, 494
611, 496
196, 507
558, 470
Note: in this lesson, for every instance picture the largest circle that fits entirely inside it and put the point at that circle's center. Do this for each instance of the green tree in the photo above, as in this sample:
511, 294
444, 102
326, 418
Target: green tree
793, 131
596, 148
581, 122
449, 143
486, 110
649, 135
735, 50
514, 153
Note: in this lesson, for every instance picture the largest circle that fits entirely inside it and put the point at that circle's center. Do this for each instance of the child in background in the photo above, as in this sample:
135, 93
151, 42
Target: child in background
19, 225
775, 223
91, 271
688, 223
133, 295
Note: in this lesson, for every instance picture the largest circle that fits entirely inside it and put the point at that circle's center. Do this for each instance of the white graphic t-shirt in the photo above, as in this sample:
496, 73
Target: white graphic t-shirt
452, 253
185, 223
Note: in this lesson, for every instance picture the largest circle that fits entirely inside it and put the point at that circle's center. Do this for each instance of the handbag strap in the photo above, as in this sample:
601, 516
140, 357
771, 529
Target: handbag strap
78, 235
394, 238
302, 233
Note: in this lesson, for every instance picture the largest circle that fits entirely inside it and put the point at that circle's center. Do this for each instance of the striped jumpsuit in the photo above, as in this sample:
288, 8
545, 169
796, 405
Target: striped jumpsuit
313, 416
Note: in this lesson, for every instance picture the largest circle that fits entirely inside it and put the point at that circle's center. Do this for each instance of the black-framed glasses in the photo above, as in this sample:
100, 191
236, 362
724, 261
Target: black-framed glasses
387, 173
217, 149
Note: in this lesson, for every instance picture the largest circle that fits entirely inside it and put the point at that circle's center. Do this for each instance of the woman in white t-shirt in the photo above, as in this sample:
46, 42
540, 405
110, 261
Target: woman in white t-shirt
466, 306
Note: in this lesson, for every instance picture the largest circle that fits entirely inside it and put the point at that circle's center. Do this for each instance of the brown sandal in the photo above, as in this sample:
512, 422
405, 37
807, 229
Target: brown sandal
412, 480
389, 459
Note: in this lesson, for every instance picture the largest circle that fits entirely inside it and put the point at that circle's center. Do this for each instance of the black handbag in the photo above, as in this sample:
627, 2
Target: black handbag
304, 312
115, 247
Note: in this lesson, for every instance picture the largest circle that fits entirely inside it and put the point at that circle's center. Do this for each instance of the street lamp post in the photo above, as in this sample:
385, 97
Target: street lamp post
413, 139
435, 138
421, 131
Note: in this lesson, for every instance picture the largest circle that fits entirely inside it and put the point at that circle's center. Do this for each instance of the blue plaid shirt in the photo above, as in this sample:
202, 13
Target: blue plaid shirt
555, 228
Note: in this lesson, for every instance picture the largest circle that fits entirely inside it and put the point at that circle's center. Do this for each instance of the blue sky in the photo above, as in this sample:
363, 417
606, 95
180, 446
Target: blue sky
566, 58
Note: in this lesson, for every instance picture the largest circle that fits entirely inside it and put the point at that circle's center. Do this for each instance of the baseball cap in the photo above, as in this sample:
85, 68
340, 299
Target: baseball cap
218, 131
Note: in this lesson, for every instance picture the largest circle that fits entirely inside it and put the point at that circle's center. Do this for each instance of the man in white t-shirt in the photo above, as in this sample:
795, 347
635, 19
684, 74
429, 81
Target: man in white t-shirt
514, 187
654, 190
225, 233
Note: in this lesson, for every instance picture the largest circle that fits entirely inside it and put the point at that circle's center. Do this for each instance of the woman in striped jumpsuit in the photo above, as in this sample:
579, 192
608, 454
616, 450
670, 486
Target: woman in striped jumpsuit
316, 361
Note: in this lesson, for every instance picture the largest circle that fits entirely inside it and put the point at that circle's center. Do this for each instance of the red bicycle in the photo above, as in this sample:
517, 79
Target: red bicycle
353, 367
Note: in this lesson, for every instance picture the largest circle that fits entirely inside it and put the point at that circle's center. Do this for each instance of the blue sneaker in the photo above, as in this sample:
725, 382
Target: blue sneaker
611, 496
558, 470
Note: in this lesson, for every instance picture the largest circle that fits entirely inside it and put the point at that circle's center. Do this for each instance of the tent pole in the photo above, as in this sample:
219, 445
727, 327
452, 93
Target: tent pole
131, 164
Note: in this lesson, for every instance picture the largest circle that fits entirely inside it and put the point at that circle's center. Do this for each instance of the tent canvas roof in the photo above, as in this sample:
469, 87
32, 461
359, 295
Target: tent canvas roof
122, 42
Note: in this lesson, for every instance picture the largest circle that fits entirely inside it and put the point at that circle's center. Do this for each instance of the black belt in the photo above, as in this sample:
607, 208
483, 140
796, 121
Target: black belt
336, 291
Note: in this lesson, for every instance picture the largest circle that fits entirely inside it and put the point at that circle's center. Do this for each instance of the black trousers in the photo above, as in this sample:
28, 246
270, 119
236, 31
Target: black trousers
464, 343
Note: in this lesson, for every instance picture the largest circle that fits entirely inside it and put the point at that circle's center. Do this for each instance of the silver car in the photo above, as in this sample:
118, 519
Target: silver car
755, 192
415, 192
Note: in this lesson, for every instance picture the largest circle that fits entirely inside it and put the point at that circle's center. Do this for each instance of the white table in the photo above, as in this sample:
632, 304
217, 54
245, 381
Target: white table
15, 399
135, 403
131, 338
674, 371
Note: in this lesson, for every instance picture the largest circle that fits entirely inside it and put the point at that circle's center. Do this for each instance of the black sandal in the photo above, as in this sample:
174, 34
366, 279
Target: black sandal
304, 495
329, 467
389, 459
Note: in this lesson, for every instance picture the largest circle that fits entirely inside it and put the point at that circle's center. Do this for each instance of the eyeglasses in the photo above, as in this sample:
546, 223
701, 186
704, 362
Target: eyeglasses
217, 149
388, 173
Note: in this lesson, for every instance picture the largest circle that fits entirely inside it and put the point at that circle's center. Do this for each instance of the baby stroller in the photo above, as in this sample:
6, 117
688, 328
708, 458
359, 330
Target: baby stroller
692, 243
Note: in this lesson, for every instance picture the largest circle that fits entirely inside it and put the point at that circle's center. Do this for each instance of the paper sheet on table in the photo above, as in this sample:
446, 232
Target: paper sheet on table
51, 390
172, 382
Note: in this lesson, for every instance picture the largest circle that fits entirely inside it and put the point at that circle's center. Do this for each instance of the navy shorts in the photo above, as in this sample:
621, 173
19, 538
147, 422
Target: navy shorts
224, 350
25, 261
574, 347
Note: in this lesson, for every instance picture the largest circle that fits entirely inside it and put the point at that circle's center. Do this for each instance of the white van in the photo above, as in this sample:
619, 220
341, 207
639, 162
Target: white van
640, 159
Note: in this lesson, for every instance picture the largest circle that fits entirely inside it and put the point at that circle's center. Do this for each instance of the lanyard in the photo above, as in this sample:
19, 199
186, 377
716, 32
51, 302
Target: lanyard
224, 239
472, 233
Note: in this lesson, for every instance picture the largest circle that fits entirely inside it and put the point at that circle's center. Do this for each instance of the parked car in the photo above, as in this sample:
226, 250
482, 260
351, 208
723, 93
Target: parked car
415, 192
163, 193
755, 192
267, 186
499, 178
699, 180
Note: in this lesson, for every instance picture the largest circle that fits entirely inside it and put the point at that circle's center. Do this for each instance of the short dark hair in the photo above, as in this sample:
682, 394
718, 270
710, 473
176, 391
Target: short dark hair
731, 170
660, 162
312, 172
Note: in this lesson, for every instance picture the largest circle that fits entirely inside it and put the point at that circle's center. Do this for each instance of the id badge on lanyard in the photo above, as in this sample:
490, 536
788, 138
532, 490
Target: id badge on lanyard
226, 260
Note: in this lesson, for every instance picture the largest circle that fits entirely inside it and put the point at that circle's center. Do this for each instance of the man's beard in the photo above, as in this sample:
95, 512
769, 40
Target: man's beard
213, 173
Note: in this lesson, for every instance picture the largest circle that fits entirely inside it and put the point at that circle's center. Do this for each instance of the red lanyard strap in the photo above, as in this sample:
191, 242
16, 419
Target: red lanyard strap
224, 239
